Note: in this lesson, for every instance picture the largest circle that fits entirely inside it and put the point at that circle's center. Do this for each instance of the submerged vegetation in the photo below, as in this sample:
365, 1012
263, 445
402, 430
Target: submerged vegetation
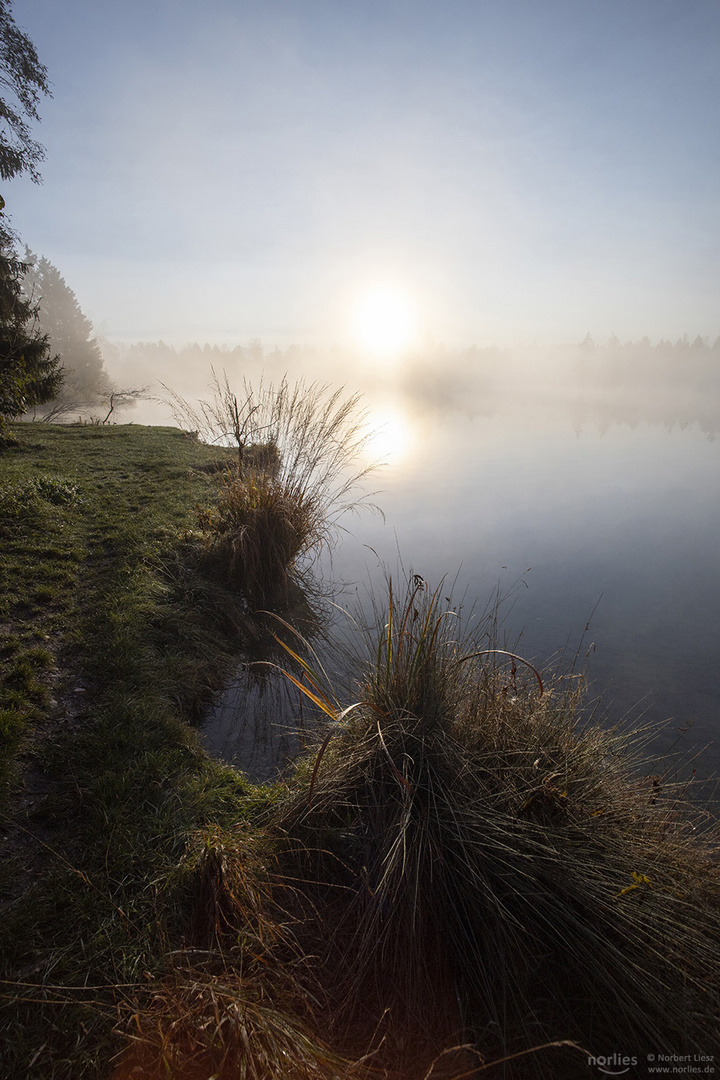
465, 875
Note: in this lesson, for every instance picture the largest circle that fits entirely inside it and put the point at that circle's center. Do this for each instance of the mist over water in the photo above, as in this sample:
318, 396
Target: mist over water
581, 481
670, 383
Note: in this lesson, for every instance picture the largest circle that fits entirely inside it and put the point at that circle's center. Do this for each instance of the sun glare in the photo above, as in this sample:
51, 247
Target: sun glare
391, 438
385, 320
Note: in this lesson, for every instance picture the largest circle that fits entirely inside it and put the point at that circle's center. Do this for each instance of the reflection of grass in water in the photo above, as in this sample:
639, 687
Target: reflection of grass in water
257, 726
261, 722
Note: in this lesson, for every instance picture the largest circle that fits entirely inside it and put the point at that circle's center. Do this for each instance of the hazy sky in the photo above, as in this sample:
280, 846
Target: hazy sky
522, 169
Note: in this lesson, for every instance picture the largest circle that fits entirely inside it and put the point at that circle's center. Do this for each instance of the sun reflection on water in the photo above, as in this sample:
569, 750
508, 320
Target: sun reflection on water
392, 438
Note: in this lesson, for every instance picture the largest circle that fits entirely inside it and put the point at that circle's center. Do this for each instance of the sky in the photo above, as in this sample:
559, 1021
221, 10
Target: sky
515, 170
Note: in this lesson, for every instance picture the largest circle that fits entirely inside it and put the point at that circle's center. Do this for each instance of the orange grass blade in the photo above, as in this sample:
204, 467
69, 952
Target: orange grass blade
307, 670
322, 703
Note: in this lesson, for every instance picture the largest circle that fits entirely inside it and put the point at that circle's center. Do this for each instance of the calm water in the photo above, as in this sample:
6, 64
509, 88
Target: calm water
589, 519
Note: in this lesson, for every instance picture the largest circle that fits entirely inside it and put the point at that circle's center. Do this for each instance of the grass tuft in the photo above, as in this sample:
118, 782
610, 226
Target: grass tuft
217, 1023
241, 1000
256, 533
295, 473
490, 868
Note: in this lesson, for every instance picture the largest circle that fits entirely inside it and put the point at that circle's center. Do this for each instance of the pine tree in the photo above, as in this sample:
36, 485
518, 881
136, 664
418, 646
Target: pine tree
29, 373
70, 334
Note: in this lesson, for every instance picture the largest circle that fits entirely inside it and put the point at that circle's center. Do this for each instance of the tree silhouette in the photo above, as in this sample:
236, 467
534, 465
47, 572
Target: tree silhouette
29, 373
22, 80
70, 334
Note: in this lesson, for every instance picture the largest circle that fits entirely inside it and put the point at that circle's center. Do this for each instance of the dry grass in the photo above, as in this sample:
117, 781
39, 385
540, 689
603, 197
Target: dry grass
297, 471
222, 1025
242, 1001
485, 861
256, 534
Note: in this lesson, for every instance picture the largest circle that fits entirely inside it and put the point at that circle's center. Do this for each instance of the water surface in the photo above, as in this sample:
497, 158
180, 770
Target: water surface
582, 519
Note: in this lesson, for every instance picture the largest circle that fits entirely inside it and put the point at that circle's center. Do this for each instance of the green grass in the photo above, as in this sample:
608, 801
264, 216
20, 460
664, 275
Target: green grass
110, 641
462, 860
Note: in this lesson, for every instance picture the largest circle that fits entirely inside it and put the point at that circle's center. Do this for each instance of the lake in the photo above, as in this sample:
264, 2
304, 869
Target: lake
583, 510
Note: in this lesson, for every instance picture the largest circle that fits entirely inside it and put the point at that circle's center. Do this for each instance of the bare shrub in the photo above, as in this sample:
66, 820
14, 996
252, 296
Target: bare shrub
297, 471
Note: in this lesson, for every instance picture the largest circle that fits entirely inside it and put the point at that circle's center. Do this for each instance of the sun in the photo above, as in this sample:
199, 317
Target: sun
385, 320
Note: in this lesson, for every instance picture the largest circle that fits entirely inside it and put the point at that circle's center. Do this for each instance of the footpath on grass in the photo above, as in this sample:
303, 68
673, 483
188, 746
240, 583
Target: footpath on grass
110, 646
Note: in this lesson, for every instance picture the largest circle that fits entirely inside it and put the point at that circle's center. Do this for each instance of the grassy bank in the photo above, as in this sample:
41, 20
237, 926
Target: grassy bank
461, 871
109, 644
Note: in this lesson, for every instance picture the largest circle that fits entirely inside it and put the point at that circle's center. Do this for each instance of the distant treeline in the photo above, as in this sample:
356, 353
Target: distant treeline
672, 383
667, 382
636, 361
